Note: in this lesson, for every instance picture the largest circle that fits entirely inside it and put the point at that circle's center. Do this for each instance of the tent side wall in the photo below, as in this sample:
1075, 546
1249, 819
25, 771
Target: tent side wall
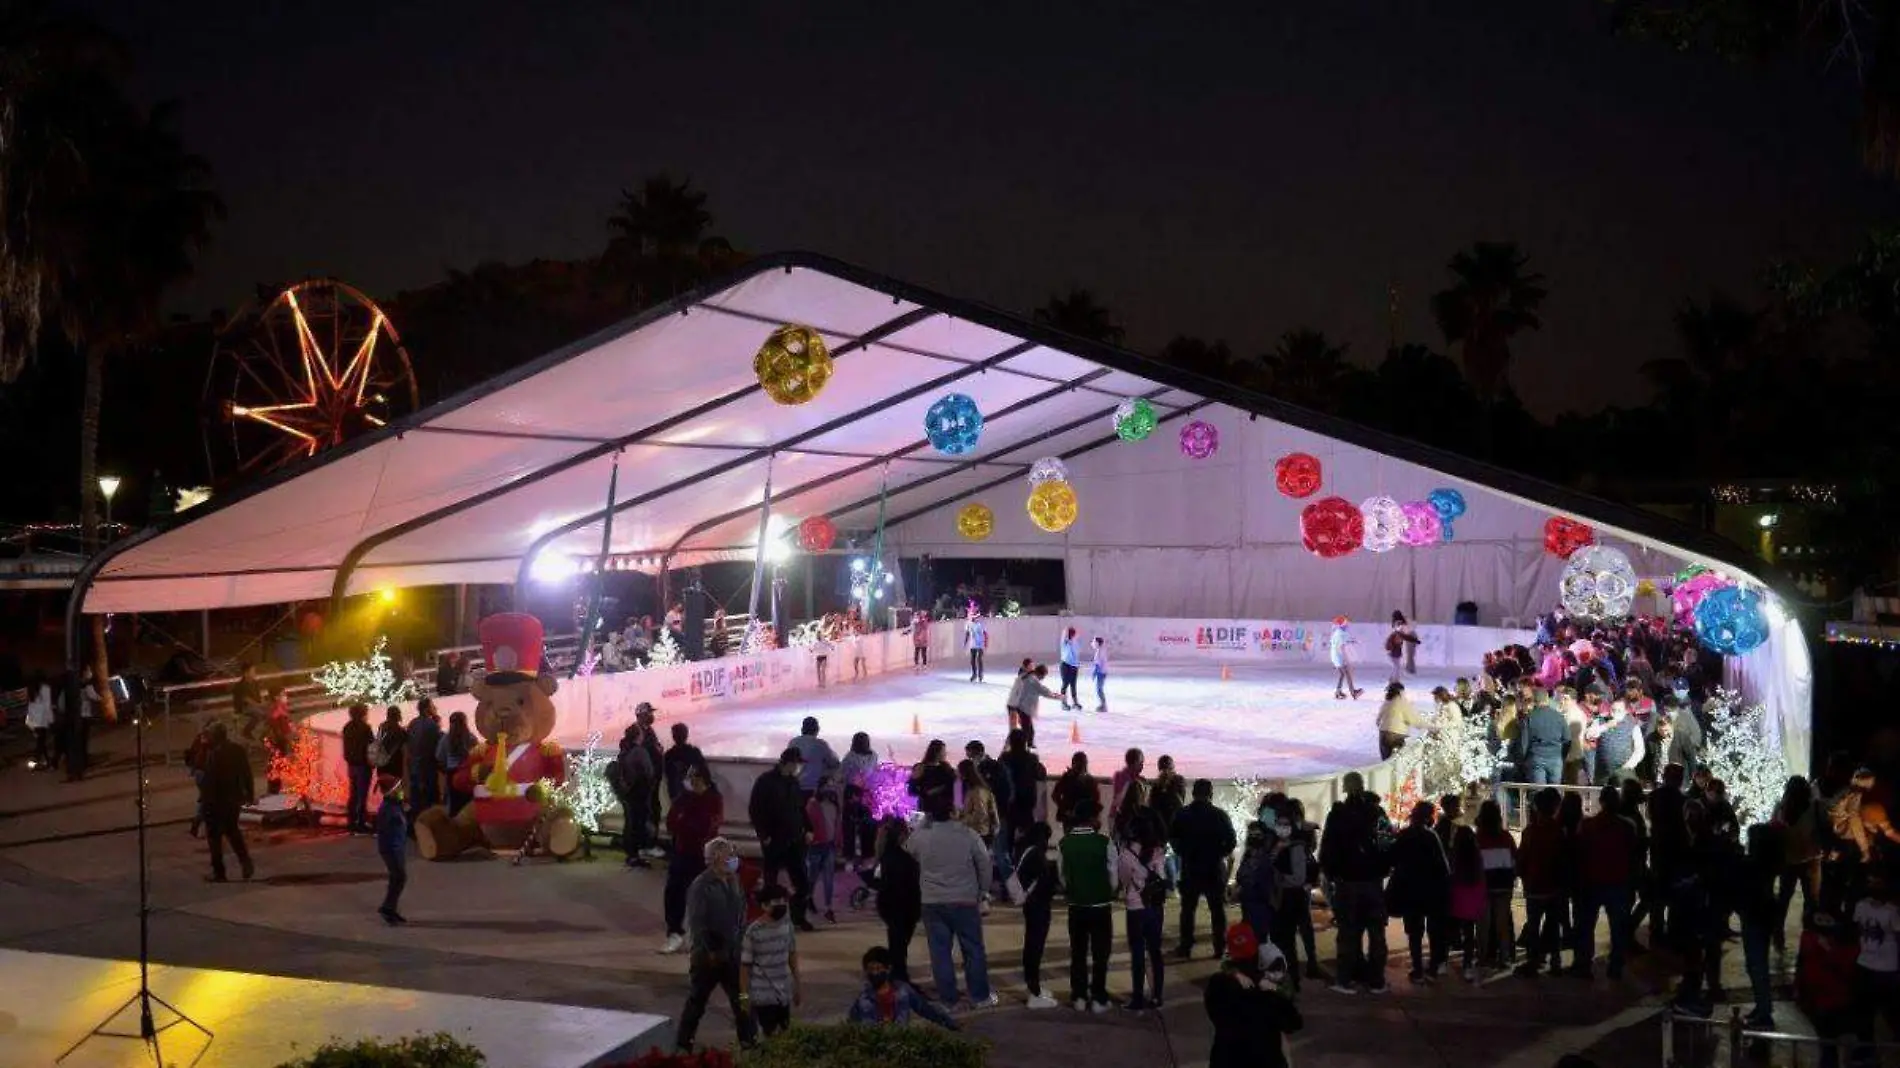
1162, 535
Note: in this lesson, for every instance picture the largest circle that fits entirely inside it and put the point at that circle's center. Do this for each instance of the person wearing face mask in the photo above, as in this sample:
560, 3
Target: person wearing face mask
693, 821
887, 999
715, 920
769, 983
777, 811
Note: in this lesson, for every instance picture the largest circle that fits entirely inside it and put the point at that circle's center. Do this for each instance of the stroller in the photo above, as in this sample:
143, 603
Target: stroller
865, 893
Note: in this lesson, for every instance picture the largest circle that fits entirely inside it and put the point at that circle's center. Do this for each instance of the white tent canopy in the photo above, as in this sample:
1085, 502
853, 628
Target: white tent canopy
472, 489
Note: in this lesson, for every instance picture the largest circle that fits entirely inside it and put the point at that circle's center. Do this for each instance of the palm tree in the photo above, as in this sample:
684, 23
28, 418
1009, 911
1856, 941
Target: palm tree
104, 211
1307, 369
1491, 300
1212, 359
661, 237
1079, 314
58, 76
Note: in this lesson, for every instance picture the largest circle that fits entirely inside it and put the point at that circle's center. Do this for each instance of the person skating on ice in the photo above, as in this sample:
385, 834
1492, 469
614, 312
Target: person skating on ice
1071, 665
976, 638
1337, 648
1101, 674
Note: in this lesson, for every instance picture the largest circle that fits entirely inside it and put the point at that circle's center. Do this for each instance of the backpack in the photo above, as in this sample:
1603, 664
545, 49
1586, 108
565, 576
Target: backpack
1154, 889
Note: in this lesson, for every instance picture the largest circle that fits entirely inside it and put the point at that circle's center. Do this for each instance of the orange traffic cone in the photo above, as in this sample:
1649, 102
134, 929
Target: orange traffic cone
1226, 672
915, 726
1075, 732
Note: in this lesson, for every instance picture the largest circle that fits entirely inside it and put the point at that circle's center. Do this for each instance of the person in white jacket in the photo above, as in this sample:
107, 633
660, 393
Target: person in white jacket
1026, 698
39, 719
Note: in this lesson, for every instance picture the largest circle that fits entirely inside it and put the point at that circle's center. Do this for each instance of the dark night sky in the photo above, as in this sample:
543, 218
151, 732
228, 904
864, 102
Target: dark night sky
1207, 170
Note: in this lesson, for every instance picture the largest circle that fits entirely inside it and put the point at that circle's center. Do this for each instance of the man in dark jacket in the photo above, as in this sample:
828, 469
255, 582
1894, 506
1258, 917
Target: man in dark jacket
1074, 787
777, 811
633, 776
1351, 856
425, 731
680, 760
1203, 837
357, 734
1668, 845
227, 788
1544, 742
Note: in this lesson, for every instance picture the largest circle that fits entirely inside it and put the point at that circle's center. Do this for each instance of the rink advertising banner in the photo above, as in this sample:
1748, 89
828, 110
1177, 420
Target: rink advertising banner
1270, 640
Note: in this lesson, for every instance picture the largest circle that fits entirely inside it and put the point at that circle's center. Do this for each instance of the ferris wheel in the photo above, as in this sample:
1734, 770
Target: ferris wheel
316, 366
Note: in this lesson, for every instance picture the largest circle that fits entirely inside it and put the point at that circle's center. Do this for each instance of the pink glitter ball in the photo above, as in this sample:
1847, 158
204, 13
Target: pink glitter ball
1199, 440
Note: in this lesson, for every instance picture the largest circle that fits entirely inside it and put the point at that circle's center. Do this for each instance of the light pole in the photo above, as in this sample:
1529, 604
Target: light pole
108, 485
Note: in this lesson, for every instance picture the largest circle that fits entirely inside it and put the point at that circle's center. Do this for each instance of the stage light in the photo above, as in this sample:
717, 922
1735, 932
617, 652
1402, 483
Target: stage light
387, 594
778, 551
889, 578
1769, 520
879, 594
858, 564
550, 566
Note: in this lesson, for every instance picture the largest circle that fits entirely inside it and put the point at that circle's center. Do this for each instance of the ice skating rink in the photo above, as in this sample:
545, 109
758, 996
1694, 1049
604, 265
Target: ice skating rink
1266, 722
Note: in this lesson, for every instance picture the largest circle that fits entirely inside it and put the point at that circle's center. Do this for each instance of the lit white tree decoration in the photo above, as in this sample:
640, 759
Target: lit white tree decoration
369, 681
1243, 802
755, 640
586, 794
665, 652
1456, 755
1742, 755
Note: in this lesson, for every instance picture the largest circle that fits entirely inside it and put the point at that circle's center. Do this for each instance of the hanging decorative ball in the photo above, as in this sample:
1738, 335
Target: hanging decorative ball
816, 534
1690, 572
1135, 419
953, 424
1688, 594
1565, 536
1731, 621
1448, 503
1297, 474
1199, 440
1331, 527
1385, 523
1422, 526
1646, 588
1048, 469
310, 624
1052, 506
1598, 583
975, 521
793, 365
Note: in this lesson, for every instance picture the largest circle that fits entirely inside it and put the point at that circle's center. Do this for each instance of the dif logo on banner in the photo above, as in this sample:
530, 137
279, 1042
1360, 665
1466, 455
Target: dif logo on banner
1223, 637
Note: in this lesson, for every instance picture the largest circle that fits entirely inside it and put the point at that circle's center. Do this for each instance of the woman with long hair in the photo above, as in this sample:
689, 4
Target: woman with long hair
451, 753
1498, 852
1141, 869
978, 811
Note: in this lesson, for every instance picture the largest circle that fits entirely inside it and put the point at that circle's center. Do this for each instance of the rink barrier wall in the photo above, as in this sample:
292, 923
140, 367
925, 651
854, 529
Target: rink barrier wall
605, 703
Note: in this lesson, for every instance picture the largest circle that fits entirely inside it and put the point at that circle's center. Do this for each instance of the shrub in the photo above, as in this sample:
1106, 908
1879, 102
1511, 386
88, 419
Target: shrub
856, 1045
440, 1050
655, 1058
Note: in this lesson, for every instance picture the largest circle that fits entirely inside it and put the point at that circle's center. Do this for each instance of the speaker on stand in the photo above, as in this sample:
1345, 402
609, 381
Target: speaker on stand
695, 605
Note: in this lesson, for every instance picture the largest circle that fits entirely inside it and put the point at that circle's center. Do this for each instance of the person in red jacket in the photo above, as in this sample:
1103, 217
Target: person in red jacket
695, 819
1540, 864
1605, 845
1824, 980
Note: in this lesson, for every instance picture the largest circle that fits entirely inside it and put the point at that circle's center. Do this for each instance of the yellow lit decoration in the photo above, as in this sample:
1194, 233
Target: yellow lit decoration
1052, 506
1645, 588
975, 521
793, 365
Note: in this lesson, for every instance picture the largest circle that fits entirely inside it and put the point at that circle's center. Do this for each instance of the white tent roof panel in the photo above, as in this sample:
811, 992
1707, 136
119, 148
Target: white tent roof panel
471, 488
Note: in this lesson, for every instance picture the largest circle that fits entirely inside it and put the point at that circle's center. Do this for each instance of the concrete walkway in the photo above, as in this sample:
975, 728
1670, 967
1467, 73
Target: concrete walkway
584, 934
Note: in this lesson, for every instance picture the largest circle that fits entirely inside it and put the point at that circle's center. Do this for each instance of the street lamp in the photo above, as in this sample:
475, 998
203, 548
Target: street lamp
108, 485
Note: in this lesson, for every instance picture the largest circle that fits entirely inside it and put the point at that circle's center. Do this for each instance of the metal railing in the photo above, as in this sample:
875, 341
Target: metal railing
1694, 1042
1516, 798
213, 696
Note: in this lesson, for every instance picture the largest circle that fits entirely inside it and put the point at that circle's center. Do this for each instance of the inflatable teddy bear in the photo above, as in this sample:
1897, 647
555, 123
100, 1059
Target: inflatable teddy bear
515, 715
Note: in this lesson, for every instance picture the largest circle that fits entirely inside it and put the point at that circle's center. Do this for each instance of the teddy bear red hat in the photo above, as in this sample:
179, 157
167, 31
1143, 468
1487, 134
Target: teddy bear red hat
511, 646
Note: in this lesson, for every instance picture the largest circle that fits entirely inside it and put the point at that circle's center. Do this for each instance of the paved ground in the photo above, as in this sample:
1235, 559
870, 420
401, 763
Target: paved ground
584, 934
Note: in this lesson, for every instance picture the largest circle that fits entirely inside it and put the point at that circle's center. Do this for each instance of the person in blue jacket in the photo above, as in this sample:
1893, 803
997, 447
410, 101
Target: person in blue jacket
392, 844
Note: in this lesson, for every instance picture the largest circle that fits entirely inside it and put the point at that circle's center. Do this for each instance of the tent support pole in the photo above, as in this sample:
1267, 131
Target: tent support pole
758, 556
599, 582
